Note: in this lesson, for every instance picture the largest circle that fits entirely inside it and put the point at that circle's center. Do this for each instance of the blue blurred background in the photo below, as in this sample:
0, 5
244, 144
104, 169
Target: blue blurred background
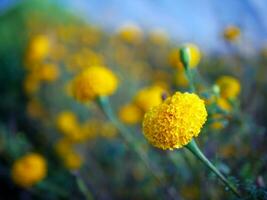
199, 21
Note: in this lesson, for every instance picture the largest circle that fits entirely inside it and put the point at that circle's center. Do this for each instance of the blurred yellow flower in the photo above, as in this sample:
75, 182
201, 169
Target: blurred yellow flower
93, 82
67, 123
231, 33
149, 97
130, 114
195, 56
39, 47
175, 122
29, 170
72, 160
63, 146
130, 33
217, 124
229, 86
48, 72
224, 104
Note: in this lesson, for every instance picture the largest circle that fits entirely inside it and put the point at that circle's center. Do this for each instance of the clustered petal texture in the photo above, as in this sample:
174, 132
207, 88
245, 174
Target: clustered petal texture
93, 82
175, 122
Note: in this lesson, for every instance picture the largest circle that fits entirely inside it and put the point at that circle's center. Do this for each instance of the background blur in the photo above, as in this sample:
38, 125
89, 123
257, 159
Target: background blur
54, 147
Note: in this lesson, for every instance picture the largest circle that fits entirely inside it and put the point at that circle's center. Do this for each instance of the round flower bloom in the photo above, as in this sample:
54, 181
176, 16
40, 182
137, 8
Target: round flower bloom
229, 86
130, 114
194, 53
39, 48
231, 33
29, 170
149, 97
67, 123
175, 122
94, 81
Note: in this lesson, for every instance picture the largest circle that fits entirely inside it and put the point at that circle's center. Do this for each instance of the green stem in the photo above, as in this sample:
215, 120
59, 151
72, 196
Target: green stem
192, 146
83, 188
105, 106
189, 77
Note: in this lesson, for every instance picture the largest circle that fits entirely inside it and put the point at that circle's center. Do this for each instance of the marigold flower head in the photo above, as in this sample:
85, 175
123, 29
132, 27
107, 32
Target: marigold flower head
67, 123
229, 86
231, 33
149, 97
130, 114
93, 82
194, 53
29, 170
174, 123
39, 48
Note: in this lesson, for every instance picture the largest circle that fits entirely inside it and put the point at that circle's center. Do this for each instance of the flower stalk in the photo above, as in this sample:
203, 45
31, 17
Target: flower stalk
104, 104
185, 58
193, 147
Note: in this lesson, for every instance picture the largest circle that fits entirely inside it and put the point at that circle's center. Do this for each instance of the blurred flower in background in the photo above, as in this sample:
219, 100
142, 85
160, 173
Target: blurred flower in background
87, 87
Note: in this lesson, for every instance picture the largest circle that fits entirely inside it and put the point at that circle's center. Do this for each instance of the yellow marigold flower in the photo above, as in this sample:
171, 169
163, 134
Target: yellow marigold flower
29, 170
94, 81
130, 33
72, 160
39, 48
130, 114
48, 72
229, 86
195, 56
224, 104
175, 122
231, 33
149, 97
67, 123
